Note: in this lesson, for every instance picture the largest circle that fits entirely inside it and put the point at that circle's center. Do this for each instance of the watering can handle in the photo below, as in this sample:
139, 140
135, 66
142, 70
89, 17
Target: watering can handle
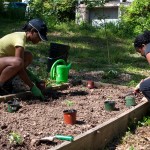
53, 68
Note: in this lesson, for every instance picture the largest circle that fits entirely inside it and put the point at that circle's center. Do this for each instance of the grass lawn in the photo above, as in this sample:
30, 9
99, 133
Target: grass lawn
90, 50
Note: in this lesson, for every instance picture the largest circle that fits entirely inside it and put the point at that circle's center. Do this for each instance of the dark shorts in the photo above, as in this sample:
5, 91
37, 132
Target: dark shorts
145, 88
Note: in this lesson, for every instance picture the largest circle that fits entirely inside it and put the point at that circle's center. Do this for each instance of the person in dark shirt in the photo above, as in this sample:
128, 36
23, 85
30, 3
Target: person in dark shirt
142, 46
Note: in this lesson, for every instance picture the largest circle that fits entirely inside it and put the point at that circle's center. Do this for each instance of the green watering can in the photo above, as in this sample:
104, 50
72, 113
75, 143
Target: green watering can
60, 71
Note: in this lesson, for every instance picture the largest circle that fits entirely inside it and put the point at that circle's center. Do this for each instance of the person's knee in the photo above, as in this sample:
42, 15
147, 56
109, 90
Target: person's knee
28, 57
18, 63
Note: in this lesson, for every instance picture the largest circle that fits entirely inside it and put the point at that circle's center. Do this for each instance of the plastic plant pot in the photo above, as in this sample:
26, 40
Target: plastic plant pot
70, 116
109, 105
130, 101
12, 107
90, 84
57, 51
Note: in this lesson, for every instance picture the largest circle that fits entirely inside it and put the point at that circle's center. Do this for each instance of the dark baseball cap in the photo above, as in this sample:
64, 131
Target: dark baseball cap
41, 27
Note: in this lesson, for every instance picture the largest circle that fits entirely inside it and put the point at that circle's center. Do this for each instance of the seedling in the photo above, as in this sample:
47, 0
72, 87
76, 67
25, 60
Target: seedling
70, 113
69, 103
131, 147
109, 98
111, 74
15, 138
144, 122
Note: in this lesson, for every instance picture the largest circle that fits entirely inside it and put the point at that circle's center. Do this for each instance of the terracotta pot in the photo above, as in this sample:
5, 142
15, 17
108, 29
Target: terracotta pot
90, 84
41, 85
70, 116
109, 105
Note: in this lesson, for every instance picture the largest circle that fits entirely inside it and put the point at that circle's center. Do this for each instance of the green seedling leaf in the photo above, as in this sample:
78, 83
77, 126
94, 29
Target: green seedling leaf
69, 103
109, 98
15, 138
111, 74
131, 147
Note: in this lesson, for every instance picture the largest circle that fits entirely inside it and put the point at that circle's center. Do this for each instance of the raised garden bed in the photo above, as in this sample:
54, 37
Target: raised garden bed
36, 119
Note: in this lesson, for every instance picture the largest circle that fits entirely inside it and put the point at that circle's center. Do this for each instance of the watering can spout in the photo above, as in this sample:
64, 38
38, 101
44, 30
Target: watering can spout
69, 66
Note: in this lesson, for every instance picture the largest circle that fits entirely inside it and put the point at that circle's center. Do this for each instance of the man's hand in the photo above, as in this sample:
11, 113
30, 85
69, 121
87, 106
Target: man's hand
137, 88
37, 92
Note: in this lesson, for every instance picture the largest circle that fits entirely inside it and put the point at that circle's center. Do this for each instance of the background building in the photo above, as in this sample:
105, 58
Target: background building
98, 15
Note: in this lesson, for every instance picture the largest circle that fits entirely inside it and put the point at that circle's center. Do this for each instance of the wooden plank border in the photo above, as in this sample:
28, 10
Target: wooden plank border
97, 138
28, 94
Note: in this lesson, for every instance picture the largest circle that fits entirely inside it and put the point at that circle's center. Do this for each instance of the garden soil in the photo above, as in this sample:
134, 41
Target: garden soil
37, 119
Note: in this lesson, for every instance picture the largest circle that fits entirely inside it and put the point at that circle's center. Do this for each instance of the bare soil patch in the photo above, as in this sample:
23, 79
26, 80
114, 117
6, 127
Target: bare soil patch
36, 119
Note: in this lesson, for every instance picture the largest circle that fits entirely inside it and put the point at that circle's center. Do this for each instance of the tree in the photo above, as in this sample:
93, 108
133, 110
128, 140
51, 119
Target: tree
136, 16
59, 10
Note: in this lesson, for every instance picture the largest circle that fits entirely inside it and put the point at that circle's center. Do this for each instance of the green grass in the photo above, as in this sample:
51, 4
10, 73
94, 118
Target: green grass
88, 49
144, 122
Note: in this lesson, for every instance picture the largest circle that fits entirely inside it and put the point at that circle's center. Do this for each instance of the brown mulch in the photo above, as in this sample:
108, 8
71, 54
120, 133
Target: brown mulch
36, 119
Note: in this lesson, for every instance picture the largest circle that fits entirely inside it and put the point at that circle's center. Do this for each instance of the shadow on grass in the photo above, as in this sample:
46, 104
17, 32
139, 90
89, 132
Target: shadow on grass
88, 49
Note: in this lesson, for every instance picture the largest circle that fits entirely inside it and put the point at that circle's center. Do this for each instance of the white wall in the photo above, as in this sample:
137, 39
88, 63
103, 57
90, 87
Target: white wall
25, 1
111, 12
107, 12
99, 16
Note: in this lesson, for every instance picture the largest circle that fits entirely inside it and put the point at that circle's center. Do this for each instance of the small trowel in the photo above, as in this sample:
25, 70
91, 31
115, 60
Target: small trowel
60, 137
51, 139
130, 93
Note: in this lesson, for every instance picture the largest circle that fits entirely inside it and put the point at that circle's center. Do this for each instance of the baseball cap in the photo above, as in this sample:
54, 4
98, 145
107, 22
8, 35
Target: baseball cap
41, 27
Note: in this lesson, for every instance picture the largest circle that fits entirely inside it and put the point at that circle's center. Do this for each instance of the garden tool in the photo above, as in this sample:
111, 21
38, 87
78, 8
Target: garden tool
60, 71
37, 92
137, 89
129, 93
39, 83
33, 77
59, 137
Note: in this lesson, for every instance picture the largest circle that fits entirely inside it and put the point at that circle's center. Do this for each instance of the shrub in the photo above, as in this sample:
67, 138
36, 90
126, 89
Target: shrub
136, 16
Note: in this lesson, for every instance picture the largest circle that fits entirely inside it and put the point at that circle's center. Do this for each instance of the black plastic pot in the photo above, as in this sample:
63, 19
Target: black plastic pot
109, 105
130, 101
57, 51
13, 106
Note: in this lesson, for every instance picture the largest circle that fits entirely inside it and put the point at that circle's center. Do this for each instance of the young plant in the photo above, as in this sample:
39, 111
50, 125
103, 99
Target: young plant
70, 113
131, 147
144, 122
111, 74
109, 98
69, 104
15, 138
